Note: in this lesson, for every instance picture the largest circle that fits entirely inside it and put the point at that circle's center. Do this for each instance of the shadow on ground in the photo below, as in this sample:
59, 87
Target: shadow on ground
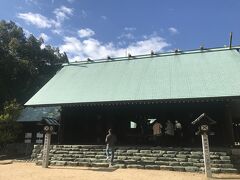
14, 156
226, 178
110, 169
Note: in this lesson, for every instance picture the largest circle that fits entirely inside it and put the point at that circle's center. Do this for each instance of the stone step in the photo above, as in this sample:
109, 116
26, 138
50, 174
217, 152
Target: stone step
142, 161
135, 153
132, 151
222, 165
221, 161
181, 159
137, 158
222, 170
152, 158
135, 147
172, 167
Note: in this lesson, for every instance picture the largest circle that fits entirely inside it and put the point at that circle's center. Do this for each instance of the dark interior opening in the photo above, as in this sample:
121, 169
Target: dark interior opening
89, 124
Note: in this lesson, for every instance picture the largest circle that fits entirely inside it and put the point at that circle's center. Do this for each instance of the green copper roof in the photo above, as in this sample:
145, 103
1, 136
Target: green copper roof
194, 74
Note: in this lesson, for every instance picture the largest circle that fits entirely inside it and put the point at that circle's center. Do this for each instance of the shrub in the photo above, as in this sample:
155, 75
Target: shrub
9, 127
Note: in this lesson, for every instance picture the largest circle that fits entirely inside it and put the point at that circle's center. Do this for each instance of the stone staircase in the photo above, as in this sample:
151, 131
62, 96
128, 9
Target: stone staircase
175, 159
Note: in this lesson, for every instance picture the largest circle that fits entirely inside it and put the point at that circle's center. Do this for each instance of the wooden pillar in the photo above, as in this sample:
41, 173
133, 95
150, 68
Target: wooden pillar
229, 126
61, 127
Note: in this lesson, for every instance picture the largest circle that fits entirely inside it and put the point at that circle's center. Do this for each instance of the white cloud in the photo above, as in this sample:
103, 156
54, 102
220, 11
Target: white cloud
122, 43
173, 30
31, 1
128, 33
83, 33
145, 46
44, 36
83, 14
104, 17
126, 36
63, 13
82, 49
36, 19
130, 29
42, 46
57, 31
72, 45
41, 21
154, 34
70, 1
27, 32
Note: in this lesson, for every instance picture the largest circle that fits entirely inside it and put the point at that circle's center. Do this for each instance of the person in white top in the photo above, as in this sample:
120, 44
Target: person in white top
178, 132
169, 130
178, 125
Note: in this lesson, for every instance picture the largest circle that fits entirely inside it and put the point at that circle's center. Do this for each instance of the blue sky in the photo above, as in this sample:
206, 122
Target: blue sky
96, 29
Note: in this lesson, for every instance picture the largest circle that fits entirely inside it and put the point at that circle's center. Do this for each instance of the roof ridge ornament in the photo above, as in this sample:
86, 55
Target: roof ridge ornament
130, 56
152, 53
109, 58
89, 60
230, 41
177, 51
202, 48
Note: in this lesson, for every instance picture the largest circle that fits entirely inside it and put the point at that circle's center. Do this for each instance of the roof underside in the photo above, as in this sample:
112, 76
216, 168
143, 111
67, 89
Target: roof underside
30, 114
187, 76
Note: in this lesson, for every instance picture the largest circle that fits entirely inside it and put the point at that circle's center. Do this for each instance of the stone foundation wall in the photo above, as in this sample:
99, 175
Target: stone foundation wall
18, 148
177, 159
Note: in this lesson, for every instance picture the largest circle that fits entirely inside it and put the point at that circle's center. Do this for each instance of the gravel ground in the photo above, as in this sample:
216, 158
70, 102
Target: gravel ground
29, 171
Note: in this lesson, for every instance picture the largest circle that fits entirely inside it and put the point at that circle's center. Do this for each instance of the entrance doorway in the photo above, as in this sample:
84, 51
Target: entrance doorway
133, 123
236, 131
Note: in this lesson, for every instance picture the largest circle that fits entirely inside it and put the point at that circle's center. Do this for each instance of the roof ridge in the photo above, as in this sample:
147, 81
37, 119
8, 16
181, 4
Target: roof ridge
161, 54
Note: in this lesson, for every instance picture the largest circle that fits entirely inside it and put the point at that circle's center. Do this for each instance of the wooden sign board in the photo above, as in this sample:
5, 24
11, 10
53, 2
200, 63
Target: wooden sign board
39, 141
39, 135
27, 141
28, 135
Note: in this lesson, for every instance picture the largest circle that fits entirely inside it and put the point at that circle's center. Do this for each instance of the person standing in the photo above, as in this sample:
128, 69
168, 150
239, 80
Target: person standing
110, 140
169, 132
157, 132
157, 128
178, 133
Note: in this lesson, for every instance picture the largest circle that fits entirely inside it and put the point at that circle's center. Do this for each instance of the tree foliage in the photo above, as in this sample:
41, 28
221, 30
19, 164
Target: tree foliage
24, 65
9, 128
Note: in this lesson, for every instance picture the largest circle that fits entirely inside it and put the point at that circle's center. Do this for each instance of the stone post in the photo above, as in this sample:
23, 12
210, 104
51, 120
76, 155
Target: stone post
46, 147
206, 155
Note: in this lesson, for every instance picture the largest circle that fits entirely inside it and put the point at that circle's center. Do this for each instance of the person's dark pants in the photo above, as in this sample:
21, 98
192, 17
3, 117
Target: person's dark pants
110, 152
157, 139
178, 137
169, 140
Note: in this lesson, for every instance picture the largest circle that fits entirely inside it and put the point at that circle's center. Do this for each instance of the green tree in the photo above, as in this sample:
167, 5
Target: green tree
24, 65
9, 127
